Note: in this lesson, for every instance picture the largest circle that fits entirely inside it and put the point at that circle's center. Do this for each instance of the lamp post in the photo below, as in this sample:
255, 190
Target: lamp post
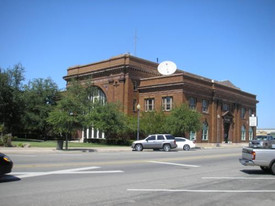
138, 108
70, 129
218, 130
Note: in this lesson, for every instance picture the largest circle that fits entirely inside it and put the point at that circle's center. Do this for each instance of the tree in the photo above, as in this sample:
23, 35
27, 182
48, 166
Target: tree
152, 123
40, 97
69, 113
182, 120
11, 98
108, 118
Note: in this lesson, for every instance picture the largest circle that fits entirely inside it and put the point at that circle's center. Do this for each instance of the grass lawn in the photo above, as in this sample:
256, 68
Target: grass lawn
54, 144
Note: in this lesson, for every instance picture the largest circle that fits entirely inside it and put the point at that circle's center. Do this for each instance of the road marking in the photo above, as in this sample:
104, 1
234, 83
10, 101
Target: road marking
201, 191
175, 164
66, 171
239, 178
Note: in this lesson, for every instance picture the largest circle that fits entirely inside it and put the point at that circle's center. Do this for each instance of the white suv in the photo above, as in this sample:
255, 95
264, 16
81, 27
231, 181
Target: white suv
156, 141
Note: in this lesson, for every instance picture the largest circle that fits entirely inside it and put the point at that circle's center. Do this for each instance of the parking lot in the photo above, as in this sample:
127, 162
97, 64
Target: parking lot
196, 177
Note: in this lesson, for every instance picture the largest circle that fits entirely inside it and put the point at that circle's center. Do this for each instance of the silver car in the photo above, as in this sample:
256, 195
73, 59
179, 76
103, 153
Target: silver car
263, 141
156, 142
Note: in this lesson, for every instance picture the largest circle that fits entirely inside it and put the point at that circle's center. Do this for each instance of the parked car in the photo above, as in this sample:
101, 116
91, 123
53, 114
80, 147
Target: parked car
156, 142
184, 143
5, 164
262, 141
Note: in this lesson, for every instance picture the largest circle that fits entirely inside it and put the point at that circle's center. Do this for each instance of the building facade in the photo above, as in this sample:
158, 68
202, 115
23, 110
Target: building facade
130, 81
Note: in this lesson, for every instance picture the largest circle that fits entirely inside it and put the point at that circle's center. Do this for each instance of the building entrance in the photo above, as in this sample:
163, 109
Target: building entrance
226, 132
227, 121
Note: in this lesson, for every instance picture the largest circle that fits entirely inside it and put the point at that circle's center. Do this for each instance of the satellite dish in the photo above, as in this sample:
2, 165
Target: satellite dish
167, 68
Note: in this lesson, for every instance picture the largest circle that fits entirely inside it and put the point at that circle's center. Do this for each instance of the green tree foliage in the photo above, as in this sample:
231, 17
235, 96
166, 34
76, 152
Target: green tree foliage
182, 120
108, 118
40, 97
11, 98
69, 113
153, 122
75, 110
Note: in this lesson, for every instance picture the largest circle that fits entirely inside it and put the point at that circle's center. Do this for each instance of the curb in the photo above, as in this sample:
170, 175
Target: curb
19, 150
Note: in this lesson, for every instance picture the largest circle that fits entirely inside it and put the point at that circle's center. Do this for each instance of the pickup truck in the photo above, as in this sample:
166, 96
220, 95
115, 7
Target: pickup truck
264, 158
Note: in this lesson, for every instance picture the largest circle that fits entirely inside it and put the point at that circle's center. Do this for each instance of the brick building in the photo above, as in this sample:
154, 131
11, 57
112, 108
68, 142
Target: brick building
130, 80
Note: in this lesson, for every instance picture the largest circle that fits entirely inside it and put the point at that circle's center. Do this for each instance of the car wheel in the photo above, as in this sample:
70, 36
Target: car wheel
138, 147
186, 147
273, 168
166, 147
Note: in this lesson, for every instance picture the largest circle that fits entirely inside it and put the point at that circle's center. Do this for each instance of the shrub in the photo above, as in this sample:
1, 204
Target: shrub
5, 140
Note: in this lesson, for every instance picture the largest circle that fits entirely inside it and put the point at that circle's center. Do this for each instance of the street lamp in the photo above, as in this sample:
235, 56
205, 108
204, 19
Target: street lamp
70, 129
218, 130
138, 108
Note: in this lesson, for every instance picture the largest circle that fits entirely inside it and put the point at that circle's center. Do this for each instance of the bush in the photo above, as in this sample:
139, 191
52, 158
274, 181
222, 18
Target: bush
5, 140
120, 142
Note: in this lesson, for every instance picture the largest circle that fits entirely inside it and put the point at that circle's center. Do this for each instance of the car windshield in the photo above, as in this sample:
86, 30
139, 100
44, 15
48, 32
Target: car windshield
261, 138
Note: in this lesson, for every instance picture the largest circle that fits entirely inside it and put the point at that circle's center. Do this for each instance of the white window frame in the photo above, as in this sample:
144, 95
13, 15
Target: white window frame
167, 103
149, 104
205, 131
250, 133
192, 103
205, 105
243, 133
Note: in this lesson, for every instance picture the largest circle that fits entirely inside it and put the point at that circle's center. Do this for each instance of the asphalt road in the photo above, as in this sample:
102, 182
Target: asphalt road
198, 177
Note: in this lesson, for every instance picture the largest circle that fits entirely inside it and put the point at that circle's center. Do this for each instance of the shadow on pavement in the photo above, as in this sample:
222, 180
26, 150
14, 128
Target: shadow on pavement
79, 150
255, 172
8, 178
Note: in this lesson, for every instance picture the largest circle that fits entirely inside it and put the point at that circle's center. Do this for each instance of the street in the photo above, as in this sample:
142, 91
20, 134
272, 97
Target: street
196, 177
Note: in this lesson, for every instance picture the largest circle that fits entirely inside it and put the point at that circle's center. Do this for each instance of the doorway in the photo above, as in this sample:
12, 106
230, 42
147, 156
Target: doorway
226, 131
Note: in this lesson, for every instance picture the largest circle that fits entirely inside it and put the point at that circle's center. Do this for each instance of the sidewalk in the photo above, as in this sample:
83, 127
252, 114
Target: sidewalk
20, 150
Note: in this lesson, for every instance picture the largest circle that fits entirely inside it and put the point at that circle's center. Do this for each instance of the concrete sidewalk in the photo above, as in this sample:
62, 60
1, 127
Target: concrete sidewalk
18, 150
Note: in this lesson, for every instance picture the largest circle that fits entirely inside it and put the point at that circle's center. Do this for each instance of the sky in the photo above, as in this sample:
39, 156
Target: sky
219, 39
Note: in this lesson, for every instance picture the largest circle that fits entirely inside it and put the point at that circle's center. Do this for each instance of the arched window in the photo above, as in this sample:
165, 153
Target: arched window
243, 133
205, 131
97, 95
250, 133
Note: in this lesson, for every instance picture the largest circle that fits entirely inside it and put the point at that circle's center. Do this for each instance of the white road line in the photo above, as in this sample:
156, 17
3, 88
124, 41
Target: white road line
175, 164
67, 171
201, 191
239, 178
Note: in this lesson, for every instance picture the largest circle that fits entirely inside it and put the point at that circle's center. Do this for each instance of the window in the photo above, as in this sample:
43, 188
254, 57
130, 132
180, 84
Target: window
204, 105
243, 112
134, 105
160, 137
243, 133
149, 104
135, 85
225, 107
250, 133
97, 95
205, 131
192, 136
250, 112
167, 103
192, 103
170, 137
180, 140
150, 138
